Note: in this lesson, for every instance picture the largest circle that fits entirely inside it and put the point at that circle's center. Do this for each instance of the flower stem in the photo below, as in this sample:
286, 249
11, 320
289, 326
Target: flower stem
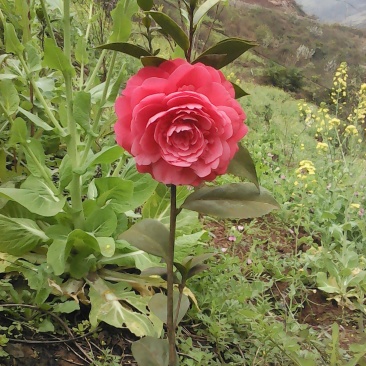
170, 273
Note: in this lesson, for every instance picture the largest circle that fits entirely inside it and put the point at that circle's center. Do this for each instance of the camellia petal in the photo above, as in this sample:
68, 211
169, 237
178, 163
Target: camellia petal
180, 122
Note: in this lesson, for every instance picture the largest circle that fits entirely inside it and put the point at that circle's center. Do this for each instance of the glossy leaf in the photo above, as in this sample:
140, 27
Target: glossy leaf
126, 48
152, 60
158, 305
231, 48
203, 10
35, 196
239, 92
54, 58
145, 5
151, 351
242, 165
236, 200
19, 236
149, 235
172, 28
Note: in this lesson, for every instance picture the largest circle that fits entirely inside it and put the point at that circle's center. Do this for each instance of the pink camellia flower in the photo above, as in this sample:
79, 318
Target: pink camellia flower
180, 122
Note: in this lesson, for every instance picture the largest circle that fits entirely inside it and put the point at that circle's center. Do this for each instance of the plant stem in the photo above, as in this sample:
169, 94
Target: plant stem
170, 274
47, 19
90, 138
72, 146
89, 84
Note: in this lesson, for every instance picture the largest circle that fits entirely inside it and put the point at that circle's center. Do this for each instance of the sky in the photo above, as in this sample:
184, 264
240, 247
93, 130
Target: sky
333, 10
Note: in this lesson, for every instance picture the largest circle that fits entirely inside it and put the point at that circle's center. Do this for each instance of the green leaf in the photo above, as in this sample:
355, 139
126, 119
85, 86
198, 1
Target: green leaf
242, 165
107, 246
81, 53
36, 120
57, 255
327, 284
115, 192
239, 92
122, 24
54, 58
158, 207
81, 110
203, 10
106, 306
101, 222
145, 5
66, 307
151, 351
149, 235
236, 200
19, 236
36, 147
83, 242
12, 43
143, 185
33, 58
172, 28
231, 48
36, 197
126, 48
152, 61
158, 305
9, 97
107, 155
18, 132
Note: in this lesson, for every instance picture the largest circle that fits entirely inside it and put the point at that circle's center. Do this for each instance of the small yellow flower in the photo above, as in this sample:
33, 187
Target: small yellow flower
322, 146
355, 205
351, 130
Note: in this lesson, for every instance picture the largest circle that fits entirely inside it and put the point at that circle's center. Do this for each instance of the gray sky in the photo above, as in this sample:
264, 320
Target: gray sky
332, 10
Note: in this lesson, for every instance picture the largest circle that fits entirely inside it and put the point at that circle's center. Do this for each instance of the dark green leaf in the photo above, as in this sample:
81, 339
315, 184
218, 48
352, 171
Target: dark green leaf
203, 10
236, 200
145, 5
242, 165
232, 48
150, 236
150, 351
158, 305
239, 92
172, 28
54, 58
152, 61
127, 48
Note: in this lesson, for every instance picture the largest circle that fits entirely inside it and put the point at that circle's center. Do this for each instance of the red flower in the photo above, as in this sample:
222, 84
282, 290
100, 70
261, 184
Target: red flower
180, 122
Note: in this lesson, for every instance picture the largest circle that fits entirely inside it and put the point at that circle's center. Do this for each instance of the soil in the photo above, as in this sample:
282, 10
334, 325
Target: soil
271, 234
